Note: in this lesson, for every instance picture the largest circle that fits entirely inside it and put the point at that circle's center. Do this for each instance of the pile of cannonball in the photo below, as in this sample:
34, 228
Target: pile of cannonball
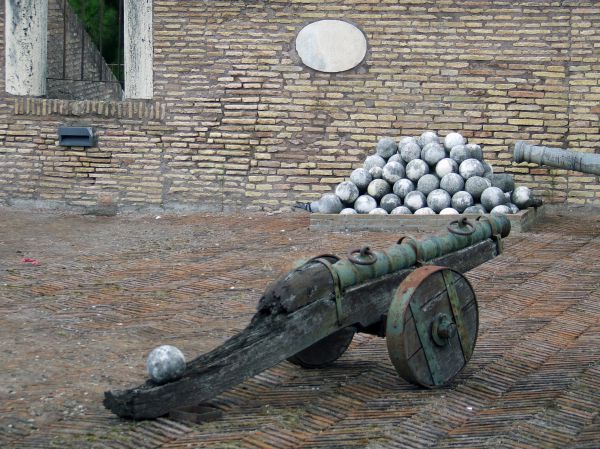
425, 175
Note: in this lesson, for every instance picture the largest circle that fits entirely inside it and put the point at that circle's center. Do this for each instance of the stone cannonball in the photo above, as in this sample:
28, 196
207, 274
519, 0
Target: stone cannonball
427, 184
504, 181
348, 211
492, 197
376, 172
476, 185
416, 169
459, 154
521, 197
386, 147
397, 158
378, 188
425, 211
445, 166
410, 151
470, 167
392, 172
406, 139
361, 178
374, 160
488, 170
461, 200
452, 183
403, 186
501, 209
347, 192
390, 202
438, 200
475, 209
401, 210
378, 211
453, 139
432, 153
330, 203
415, 200
474, 151
449, 211
365, 204
165, 363
513, 208
428, 137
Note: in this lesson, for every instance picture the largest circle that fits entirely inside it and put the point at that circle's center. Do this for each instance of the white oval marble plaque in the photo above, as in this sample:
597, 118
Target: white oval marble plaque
331, 46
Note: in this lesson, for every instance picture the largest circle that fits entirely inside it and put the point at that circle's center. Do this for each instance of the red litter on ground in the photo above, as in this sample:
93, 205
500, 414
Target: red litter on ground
34, 262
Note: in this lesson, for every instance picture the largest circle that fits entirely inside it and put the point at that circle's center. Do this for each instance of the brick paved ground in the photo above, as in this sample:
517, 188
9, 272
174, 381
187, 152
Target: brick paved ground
107, 290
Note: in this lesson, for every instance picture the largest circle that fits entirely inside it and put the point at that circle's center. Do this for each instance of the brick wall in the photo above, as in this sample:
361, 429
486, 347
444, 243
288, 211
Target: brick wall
238, 122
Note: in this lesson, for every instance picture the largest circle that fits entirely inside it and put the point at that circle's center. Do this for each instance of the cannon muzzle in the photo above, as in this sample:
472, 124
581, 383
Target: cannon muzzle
555, 157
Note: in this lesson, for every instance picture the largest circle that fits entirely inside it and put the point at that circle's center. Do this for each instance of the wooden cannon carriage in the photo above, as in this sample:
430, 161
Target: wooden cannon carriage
413, 293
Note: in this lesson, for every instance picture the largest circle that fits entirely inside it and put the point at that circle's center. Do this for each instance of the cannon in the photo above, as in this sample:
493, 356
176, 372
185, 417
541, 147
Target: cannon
413, 293
555, 157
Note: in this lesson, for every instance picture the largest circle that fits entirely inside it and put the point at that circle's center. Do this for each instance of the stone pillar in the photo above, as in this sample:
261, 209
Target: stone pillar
139, 50
26, 25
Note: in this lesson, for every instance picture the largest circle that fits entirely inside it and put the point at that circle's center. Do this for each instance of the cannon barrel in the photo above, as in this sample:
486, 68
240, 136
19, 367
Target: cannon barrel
310, 315
556, 157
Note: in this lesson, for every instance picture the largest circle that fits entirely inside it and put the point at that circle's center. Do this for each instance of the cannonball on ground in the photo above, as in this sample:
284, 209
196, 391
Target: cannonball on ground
365, 204
475, 185
438, 200
401, 210
521, 197
330, 204
449, 211
453, 139
459, 154
470, 167
504, 181
348, 211
428, 137
361, 178
410, 151
347, 192
424, 211
397, 158
390, 202
165, 363
475, 209
392, 172
427, 184
433, 153
513, 208
378, 211
403, 186
492, 197
501, 209
474, 151
374, 160
314, 207
488, 170
386, 147
378, 188
452, 183
376, 172
415, 200
445, 166
461, 200
415, 169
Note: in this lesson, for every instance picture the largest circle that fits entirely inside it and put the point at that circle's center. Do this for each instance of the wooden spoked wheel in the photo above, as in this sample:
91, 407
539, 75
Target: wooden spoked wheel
432, 326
